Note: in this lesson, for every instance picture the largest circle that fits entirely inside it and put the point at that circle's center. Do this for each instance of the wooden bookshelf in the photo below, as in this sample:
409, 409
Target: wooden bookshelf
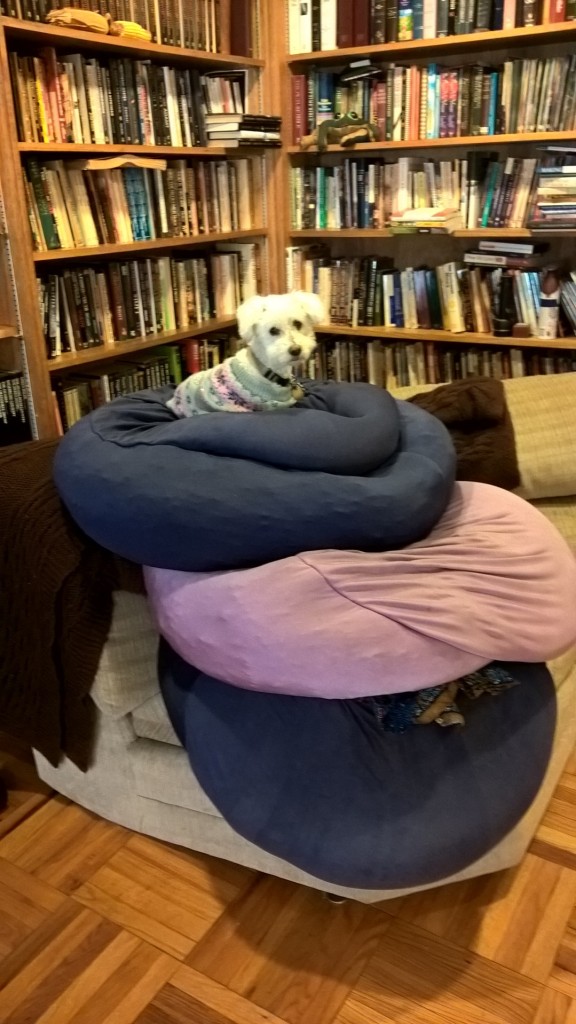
420, 248
476, 42
7, 332
79, 149
496, 233
30, 37
99, 353
152, 245
528, 138
35, 34
445, 337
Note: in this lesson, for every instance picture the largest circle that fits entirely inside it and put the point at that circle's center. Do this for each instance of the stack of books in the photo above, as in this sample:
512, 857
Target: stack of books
73, 98
77, 393
15, 426
431, 101
73, 204
554, 203
194, 24
335, 24
458, 297
87, 307
238, 129
485, 190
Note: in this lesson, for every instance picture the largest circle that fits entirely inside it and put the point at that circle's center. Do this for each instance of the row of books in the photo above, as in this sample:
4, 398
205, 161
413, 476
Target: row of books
489, 291
335, 24
554, 204
193, 24
89, 307
78, 393
484, 190
243, 130
406, 364
73, 205
430, 102
74, 98
15, 425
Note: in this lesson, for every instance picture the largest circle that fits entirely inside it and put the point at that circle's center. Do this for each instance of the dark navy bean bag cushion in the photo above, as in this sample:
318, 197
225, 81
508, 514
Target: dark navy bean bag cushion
348, 467
321, 785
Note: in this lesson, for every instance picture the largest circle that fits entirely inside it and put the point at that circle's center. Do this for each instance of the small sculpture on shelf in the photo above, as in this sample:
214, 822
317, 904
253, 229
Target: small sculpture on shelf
343, 131
91, 21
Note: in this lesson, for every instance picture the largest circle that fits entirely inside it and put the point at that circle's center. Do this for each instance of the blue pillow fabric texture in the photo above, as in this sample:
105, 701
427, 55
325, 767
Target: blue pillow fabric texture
320, 784
348, 467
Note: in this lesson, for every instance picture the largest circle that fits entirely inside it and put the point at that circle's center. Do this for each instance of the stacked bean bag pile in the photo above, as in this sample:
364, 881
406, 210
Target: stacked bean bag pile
303, 564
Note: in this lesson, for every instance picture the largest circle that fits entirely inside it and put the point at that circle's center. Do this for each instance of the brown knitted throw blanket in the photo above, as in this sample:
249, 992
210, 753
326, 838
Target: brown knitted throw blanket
56, 585
55, 609
477, 417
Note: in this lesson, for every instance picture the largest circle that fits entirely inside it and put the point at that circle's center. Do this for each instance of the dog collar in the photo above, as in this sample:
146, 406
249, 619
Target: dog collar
271, 374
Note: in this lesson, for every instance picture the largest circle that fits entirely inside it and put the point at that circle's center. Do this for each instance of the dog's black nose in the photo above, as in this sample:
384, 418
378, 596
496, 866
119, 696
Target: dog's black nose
295, 351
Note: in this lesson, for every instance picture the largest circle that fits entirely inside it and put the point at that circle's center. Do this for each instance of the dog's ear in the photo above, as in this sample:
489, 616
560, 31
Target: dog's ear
312, 306
249, 313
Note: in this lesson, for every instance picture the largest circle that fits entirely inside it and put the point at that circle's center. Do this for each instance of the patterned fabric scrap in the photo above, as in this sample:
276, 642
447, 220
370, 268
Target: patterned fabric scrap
399, 712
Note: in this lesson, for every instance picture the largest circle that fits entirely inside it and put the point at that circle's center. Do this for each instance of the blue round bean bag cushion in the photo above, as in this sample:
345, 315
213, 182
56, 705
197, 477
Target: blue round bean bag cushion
320, 784
347, 467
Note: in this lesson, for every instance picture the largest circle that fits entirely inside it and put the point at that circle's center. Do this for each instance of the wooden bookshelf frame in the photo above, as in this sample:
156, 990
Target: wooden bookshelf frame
528, 138
317, 234
28, 36
476, 42
444, 337
152, 245
101, 353
505, 44
36, 34
78, 149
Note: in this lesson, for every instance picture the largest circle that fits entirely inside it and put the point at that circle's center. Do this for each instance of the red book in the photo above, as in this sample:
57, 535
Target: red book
299, 107
345, 23
241, 28
361, 23
557, 11
380, 108
192, 354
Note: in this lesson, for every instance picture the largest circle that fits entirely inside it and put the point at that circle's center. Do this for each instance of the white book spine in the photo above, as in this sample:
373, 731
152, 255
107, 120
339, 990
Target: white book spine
306, 26
328, 19
429, 21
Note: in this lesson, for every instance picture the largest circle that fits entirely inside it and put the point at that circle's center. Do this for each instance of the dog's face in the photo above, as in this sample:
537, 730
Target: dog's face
279, 329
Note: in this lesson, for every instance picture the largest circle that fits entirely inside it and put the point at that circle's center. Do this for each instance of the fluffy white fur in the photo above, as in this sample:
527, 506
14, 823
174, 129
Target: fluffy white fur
277, 331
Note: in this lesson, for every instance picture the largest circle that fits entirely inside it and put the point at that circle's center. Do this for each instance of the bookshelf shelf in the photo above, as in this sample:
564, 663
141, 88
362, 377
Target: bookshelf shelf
340, 233
52, 35
133, 248
536, 35
463, 233
98, 353
75, 149
426, 144
446, 337
7, 332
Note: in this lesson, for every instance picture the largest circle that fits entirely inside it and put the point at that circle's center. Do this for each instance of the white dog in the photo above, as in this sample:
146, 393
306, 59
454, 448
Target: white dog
277, 331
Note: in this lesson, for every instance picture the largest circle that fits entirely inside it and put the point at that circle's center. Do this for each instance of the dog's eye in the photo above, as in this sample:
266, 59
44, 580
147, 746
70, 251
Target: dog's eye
297, 324
275, 331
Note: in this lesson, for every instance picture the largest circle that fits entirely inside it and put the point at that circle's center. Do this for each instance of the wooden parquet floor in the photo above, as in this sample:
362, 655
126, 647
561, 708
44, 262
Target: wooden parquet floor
102, 926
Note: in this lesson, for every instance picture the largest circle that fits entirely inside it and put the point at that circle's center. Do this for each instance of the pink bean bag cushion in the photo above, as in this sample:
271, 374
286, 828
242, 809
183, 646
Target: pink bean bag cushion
494, 580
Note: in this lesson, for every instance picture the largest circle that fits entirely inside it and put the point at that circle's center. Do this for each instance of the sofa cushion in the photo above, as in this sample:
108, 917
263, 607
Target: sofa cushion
150, 721
321, 785
338, 470
542, 411
562, 513
493, 579
126, 675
